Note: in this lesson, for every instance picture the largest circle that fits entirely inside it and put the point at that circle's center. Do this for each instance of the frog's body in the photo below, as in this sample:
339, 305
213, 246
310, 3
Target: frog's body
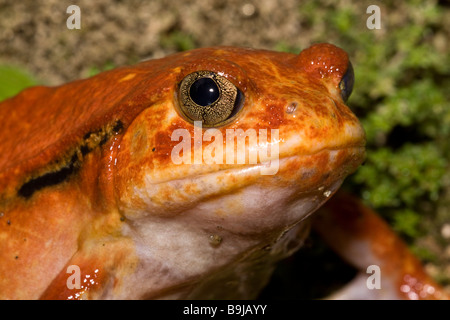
89, 186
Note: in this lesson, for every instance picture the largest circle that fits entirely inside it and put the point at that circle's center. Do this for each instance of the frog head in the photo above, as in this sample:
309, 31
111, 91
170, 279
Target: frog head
260, 137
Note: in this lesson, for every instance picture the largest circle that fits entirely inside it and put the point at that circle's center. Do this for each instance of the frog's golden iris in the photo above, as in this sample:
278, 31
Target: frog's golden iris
209, 97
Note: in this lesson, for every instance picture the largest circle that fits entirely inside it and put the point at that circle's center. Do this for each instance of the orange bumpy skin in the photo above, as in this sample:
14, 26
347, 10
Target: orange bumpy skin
87, 177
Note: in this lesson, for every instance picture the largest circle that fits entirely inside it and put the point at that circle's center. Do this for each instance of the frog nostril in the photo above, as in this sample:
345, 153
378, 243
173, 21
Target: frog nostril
291, 107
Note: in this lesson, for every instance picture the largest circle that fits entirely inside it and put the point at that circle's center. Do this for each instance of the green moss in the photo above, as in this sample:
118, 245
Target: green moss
401, 177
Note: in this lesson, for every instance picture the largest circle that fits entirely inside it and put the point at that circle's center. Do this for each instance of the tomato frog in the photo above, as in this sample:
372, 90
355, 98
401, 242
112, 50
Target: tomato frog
188, 177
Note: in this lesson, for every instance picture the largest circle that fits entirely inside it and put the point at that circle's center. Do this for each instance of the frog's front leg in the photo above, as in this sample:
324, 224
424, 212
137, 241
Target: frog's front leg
364, 240
96, 271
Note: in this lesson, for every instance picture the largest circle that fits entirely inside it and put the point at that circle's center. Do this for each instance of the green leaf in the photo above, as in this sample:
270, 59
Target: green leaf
13, 80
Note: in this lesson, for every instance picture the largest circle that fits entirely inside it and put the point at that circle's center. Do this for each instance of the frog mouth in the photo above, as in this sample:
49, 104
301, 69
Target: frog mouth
296, 175
346, 158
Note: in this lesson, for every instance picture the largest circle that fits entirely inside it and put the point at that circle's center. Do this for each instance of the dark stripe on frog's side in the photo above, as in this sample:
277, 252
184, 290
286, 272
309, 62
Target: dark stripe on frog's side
62, 169
49, 178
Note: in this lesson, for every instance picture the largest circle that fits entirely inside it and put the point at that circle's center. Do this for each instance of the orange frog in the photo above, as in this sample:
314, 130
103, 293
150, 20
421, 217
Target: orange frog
188, 177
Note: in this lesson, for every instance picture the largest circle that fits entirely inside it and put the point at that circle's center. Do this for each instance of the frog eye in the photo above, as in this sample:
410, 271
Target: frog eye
346, 84
208, 97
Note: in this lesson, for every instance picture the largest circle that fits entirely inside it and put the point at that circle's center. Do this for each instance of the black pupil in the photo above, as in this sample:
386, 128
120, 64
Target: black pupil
204, 91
